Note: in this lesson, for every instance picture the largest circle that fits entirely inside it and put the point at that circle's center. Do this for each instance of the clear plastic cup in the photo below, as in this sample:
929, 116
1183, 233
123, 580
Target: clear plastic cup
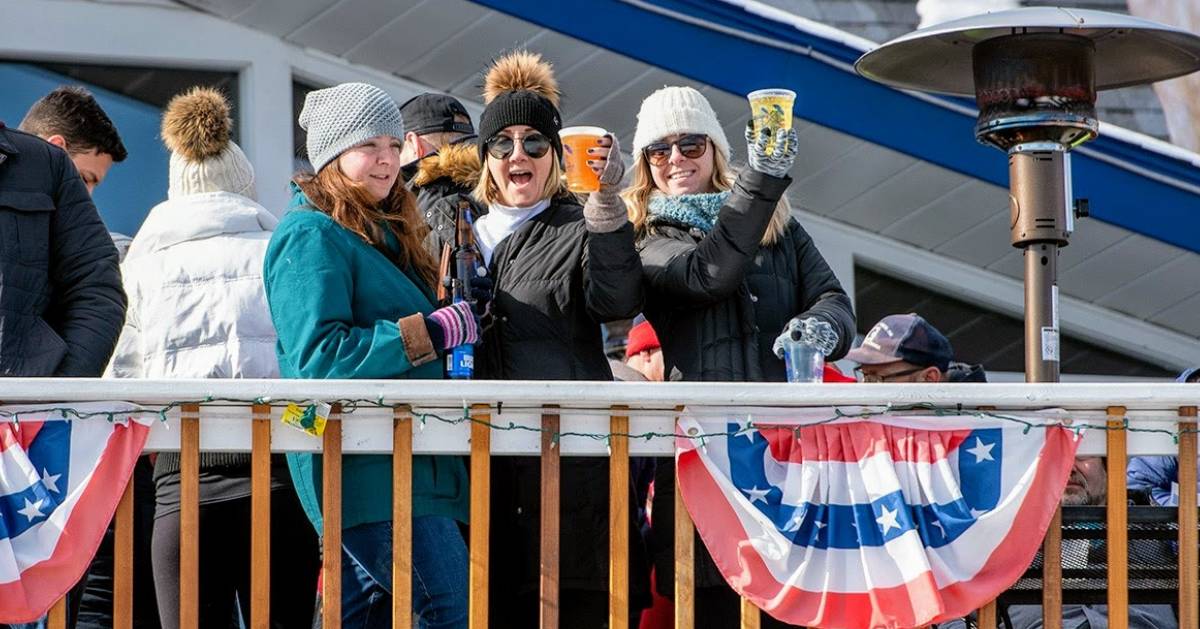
804, 362
771, 108
576, 141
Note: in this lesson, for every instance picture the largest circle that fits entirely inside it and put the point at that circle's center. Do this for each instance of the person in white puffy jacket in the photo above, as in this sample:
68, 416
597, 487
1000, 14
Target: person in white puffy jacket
198, 310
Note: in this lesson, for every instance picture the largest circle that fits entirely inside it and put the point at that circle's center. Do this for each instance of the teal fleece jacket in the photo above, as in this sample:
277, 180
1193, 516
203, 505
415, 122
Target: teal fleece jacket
339, 308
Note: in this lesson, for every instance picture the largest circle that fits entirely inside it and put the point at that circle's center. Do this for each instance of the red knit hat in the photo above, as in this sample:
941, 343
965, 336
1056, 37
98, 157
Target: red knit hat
641, 339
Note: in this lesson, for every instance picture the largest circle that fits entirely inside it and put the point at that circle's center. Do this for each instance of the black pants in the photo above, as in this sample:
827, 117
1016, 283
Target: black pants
225, 563
95, 601
719, 607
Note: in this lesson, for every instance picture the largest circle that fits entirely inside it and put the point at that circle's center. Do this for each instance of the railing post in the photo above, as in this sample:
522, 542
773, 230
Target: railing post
618, 518
402, 538
260, 516
189, 517
1189, 564
331, 516
123, 561
986, 618
1117, 526
685, 550
58, 615
551, 504
751, 617
481, 487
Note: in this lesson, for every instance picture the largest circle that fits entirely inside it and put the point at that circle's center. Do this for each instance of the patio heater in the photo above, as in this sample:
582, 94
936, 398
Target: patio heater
1034, 74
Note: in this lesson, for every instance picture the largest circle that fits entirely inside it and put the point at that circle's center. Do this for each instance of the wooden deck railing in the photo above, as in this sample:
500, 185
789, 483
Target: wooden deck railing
526, 417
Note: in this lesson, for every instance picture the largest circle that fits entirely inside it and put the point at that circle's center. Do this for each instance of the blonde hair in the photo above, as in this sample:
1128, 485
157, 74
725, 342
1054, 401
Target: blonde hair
487, 192
352, 207
641, 187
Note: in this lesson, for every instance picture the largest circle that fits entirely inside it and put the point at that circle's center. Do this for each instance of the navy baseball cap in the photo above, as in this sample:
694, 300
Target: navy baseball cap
906, 337
431, 113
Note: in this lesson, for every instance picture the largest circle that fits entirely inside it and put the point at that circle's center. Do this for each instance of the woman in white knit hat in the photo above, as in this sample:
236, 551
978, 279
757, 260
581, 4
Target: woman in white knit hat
729, 273
197, 310
350, 289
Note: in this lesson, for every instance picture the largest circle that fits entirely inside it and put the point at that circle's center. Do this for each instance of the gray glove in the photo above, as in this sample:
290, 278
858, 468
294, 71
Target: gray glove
604, 211
778, 162
810, 331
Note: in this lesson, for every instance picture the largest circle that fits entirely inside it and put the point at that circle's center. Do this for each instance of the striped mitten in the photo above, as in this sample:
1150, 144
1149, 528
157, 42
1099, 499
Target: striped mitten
452, 326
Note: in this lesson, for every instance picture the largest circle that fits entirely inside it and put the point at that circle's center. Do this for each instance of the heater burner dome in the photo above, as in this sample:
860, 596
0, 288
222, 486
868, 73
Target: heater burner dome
1035, 87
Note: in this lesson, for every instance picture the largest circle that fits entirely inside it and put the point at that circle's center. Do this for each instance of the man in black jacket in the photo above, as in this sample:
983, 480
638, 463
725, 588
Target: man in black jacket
61, 301
441, 162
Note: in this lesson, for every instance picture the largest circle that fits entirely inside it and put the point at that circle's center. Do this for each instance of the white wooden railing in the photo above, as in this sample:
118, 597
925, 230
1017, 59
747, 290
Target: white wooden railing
522, 418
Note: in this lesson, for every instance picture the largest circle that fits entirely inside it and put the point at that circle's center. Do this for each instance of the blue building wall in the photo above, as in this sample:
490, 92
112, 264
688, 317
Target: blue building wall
133, 186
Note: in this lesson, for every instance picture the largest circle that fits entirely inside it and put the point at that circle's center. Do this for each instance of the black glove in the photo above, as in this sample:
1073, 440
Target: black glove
481, 294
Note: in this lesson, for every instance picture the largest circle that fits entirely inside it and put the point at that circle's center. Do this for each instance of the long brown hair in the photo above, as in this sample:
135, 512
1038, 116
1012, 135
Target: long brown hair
641, 187
352, 207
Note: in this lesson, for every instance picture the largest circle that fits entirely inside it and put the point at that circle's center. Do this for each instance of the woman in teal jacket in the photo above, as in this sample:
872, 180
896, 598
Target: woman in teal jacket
348, 284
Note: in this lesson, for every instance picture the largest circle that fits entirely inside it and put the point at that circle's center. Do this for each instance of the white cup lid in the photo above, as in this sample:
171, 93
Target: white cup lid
569, 131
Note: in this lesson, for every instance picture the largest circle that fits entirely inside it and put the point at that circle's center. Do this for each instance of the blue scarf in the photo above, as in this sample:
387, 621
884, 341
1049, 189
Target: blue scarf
694, 210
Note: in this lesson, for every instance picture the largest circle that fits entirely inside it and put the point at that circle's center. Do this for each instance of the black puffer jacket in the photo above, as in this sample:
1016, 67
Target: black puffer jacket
61, 301
555, 283
718, 301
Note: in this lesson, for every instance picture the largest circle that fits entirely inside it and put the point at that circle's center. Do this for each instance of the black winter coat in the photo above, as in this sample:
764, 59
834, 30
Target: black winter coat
555, 283
717, 303
61, 300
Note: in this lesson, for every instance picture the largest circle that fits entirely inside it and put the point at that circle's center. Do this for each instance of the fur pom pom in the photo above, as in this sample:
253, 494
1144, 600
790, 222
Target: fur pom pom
521, 70
197, 125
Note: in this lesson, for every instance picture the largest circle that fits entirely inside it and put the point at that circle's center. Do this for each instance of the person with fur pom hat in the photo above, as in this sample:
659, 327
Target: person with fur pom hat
559, 270
197, 310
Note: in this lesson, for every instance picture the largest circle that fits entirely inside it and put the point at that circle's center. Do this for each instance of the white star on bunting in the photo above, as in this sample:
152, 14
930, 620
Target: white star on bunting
888, 519
982, 451
32, 510
50, 480
756, 495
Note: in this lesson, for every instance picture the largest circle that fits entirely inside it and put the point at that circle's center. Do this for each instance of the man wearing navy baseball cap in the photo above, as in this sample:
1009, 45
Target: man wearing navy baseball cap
903, 348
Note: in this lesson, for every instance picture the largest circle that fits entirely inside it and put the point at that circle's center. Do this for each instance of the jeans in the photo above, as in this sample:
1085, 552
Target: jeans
439, 575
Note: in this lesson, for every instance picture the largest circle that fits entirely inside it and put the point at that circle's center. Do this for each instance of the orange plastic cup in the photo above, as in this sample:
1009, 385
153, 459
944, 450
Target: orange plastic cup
576, 141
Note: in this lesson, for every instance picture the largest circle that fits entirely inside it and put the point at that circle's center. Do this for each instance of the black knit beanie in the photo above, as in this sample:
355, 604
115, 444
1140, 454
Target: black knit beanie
521, 107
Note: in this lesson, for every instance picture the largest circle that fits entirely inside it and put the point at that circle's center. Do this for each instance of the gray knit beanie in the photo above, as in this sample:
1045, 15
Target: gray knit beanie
342, 116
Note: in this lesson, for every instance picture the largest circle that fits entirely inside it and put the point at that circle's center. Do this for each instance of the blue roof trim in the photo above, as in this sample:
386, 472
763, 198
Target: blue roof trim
942, 135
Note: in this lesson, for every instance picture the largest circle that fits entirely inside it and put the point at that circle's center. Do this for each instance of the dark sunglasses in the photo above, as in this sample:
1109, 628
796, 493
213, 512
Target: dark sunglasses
535, 145
690, 146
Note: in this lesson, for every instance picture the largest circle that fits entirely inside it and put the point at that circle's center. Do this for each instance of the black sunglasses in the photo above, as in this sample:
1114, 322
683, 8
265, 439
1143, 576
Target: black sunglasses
535, 145
690, 146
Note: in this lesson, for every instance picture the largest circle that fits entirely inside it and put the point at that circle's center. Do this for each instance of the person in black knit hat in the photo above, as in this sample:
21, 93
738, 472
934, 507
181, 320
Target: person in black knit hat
559, 270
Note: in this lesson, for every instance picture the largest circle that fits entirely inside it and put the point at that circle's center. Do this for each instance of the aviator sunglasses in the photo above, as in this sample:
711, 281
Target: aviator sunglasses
690, 146
535, 145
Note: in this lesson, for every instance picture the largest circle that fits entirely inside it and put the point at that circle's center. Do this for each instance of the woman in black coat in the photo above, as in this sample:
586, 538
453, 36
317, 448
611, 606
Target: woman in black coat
559, 270
729, 275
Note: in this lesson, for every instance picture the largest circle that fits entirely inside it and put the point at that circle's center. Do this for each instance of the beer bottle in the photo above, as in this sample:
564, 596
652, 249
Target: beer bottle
460, 363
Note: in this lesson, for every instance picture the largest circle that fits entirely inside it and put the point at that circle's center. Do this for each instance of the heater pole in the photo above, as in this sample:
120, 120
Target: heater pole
1041, 325
1040, 200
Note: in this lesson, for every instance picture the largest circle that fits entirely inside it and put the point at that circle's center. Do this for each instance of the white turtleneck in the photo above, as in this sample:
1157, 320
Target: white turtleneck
501, 221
